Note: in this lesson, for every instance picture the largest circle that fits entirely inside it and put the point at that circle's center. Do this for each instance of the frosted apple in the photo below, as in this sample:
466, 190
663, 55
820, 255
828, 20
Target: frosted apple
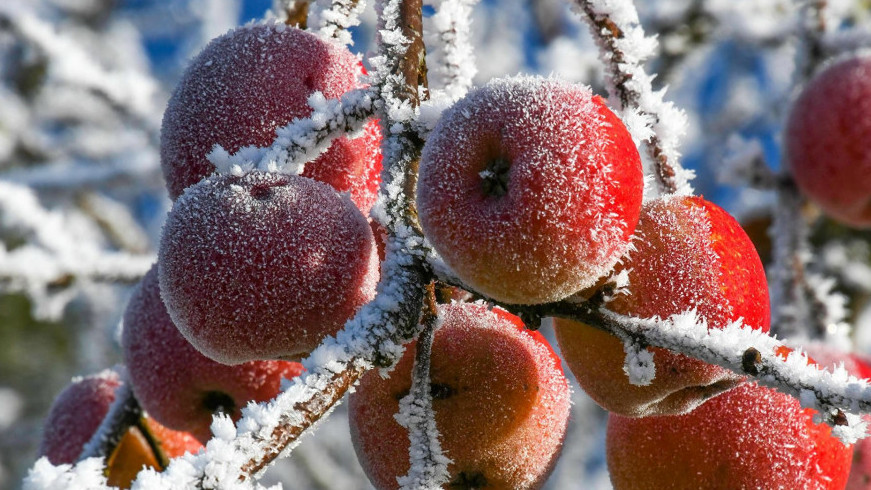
177, 385
134, 452
749, 437
500, 398
78, 411
264, 266
689, 254
529, 188
76, 414
827, 140
251, 81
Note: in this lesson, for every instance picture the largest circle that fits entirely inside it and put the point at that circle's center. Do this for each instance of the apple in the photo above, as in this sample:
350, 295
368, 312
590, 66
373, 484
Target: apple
264, 265
500, 399
251, 81
529, 189
826, 140
177, 385
749, 437
689, 254
134, 452
76, 415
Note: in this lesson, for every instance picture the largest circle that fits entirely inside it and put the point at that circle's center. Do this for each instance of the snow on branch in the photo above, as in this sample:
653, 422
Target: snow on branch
332, 18
428, 464
54, 254
623, 49
302, 140
745, 350
447, 35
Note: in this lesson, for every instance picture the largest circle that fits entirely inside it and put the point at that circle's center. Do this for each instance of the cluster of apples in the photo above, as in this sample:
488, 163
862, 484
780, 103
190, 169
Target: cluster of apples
531, 190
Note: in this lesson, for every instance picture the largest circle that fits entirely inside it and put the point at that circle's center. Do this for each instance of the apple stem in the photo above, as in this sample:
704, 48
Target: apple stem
153, 443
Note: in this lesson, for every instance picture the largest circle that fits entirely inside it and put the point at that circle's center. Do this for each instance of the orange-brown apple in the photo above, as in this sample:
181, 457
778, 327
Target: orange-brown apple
500, 398
689, 254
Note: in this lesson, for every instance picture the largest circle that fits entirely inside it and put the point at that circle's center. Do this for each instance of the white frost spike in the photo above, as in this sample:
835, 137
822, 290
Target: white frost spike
639, 364
429, 465
447, 35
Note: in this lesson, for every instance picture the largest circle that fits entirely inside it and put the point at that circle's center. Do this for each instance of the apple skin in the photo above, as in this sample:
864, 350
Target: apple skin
251, 81
689, 253
264, 265
749, 437
177, 385
75, 415
501, 404
827, 140
529, 189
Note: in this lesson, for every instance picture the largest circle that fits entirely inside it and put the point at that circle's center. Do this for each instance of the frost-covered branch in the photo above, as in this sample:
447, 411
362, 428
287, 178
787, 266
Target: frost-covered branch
623, 49
54, 252
68, 62
745, 350
292, 12
331, 19
686, 333
302, 140
428, 467
449, 47
803, 303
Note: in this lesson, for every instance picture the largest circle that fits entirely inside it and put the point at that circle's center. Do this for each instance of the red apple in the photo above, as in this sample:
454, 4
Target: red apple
264, 266
501, 404
78, 411
828, 140
177, 385
76, 414
689, 253
749, 437
251, 81
529, 189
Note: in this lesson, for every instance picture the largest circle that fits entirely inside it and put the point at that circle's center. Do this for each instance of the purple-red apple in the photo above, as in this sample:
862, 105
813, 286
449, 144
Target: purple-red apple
177, 385
251, 81
264, 266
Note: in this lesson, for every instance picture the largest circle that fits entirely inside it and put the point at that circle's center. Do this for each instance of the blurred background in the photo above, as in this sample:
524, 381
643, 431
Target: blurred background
83, 86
